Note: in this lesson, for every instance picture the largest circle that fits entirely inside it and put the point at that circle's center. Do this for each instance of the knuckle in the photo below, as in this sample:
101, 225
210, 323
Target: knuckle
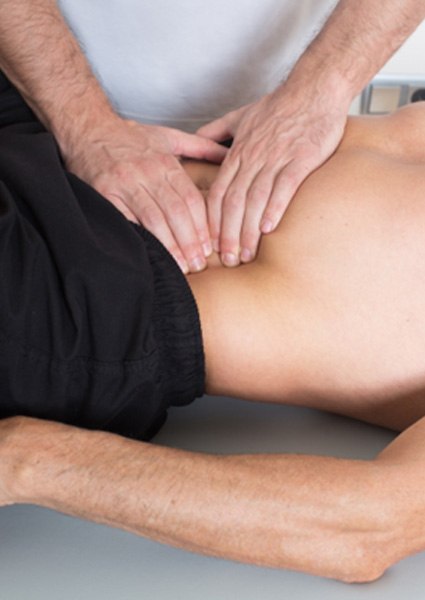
249, 239
193, 200
292, 180
121, 171
118, 177
176, 209
169, 162
145, 170
228, 244
191, 250
150, 215
213, 219
217, 192
278, 153
215, 236
258, 195
214, 230
273, 215
253, 151
234, 201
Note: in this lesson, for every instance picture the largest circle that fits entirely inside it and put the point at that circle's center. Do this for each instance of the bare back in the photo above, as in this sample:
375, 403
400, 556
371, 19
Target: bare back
331, 314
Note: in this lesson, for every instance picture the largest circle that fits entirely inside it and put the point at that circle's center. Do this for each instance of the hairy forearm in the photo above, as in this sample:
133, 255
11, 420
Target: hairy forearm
357, 40
42, 58
316, 514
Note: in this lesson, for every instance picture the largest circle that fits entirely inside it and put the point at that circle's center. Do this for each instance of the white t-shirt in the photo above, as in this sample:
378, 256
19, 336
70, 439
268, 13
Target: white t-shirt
185, 62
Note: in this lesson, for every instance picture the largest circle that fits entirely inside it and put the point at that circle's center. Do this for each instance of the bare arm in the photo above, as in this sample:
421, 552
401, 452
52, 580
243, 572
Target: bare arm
282, 138
133, 165
43, 60
356, 41
327, 516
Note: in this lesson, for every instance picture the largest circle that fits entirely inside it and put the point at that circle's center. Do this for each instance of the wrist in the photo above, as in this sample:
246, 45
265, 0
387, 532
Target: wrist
310, 82
12, 460
26, 458
79, 123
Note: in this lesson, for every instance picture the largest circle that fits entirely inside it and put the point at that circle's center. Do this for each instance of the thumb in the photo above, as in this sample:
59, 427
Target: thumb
218, 130
195, 146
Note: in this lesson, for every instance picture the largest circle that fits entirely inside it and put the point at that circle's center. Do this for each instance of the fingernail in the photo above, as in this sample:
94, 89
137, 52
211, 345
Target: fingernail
183, 266
197, 264
207, 248
216, 246
266, 226
230, 260
246, 255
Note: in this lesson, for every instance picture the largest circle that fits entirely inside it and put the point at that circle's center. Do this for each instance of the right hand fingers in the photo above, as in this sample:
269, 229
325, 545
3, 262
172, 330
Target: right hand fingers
135, 167
194, 146
169, 205
224, 127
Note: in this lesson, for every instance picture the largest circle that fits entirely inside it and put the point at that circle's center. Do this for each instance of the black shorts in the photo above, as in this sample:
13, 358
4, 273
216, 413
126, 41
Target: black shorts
98, 326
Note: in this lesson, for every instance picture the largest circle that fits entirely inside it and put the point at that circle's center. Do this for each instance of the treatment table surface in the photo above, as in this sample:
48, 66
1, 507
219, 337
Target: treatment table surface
48, 556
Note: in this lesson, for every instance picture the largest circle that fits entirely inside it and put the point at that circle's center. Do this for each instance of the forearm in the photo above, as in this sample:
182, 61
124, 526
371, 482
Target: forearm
315, 514
357, 40
42, 58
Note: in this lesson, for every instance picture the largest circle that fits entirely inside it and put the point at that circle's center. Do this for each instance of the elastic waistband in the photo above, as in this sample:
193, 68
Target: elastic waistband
177, 327
175, 318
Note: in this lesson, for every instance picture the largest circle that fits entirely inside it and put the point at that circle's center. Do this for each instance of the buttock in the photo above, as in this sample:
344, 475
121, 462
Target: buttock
98, 326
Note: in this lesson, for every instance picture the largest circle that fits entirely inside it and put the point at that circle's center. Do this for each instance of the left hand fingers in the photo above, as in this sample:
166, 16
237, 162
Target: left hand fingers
195, 146
241, 206
249, 203
218, 130
217, 192
286, 183
261, 173
224, 127
267, 184
255, 205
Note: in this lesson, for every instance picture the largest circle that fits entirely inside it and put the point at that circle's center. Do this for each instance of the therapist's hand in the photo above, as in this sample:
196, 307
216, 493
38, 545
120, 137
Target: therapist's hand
278, 142
136, 167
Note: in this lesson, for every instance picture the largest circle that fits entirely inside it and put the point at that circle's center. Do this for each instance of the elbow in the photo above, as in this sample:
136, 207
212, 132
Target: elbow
361, 554
368, 558
374, 542
366, 570
354, 560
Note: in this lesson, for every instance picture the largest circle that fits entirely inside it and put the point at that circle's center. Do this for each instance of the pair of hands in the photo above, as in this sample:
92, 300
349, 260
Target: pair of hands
278, 142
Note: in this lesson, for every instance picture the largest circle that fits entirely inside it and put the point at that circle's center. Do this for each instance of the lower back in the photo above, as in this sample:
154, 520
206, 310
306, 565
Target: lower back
331, 313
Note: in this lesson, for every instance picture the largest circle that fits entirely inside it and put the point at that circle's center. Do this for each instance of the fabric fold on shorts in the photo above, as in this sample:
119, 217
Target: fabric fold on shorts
98, 326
